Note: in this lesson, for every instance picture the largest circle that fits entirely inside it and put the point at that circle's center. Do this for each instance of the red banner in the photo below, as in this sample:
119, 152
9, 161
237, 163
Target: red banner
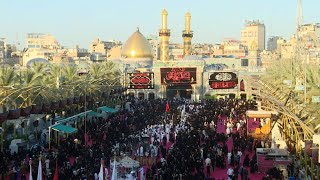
223, 85
223, 80
141, 80
178, 75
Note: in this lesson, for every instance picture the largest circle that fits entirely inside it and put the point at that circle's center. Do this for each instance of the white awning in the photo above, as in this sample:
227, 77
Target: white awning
260, 114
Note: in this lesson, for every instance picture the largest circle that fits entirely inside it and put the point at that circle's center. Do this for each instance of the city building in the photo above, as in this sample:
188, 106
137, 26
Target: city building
176, 51
285, 48
311, 32
202, 50
114, 52
268, 57
272, 44
154, 42
45, 47
2, 50
254, 31
309, 43
217, 50
234, 48
41, 41
8, 53
102, 47
7, 50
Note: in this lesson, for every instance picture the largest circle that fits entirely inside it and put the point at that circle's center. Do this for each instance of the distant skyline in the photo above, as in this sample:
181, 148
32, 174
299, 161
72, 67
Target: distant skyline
80, 22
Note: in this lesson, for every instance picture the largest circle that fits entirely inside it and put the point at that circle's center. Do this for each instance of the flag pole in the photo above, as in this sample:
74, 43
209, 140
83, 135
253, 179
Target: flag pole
114, 171
56, 172
39, 177
30, 172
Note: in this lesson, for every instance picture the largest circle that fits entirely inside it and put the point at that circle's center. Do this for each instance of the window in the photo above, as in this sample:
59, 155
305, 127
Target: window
131, 94
232, 96
243, 96
141, 95
151, 96
244, 62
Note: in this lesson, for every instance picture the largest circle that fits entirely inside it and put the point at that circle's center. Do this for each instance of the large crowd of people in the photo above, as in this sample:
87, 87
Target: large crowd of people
187, 140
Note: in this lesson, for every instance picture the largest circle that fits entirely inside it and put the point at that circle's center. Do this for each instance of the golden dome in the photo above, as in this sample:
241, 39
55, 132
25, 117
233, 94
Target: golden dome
137, 46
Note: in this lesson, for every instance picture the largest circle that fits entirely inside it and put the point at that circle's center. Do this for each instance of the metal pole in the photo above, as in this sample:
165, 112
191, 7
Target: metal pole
317, 171
85, 117
49, 138
305, 80
312, 169
58, 139
306, 164
2, 131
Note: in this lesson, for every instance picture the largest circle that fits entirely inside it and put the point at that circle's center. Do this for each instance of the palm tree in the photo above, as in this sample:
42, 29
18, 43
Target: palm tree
69, 74
32, 82
97, 71
101, 77
39, 68
7, 76
55, 72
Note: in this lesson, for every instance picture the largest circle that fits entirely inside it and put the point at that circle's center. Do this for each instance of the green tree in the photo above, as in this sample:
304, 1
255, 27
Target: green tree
7, 76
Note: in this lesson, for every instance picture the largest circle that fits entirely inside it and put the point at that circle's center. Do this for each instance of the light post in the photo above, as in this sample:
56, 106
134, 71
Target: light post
85, 112
305, 79
1, 132
85, 116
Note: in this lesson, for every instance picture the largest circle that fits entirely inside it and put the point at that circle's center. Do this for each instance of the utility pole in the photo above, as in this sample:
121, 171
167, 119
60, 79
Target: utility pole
305, 78
298, 50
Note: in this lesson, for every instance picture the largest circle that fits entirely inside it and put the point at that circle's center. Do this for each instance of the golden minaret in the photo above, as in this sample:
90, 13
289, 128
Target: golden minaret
187, 35
164, 35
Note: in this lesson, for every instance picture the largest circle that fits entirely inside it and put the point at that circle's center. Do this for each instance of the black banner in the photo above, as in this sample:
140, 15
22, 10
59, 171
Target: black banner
223, 80
178, 75
141, 80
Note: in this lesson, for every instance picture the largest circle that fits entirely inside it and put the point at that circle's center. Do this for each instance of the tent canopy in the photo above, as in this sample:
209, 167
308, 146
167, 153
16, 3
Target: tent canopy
260, 114
127, 162
64, 128
57, 119
94, 114
108, 109
80, 115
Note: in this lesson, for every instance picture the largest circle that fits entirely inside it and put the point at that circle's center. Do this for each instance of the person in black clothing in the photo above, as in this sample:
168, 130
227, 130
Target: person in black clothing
252, 168
246, 161
236, 172
164, 140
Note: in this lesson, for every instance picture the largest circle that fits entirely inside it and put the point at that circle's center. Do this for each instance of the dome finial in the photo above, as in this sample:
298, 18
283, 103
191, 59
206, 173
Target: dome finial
164, 12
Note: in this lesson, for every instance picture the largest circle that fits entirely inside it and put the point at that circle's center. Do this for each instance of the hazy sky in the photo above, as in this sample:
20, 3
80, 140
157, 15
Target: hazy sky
75, 22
